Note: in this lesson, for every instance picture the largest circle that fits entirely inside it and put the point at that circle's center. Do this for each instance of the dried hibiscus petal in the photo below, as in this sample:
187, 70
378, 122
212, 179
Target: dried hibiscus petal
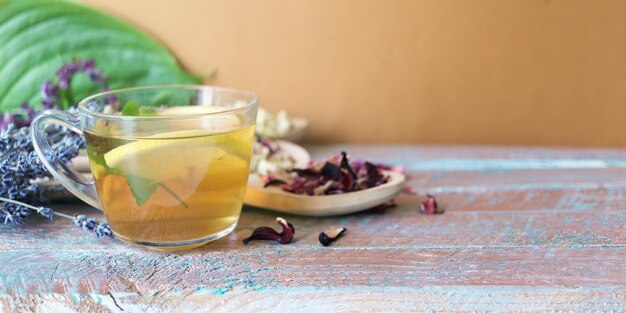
331, 171
327, 237
323, 189
345, 164
268, 233
306, 172
346, 182
336, 175
374, 177
429, 206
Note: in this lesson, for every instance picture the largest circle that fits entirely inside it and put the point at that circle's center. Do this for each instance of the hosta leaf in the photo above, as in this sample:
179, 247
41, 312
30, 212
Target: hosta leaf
37, 36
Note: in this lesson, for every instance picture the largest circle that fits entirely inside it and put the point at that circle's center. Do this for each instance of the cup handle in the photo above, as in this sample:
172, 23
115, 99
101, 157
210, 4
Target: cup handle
78, 184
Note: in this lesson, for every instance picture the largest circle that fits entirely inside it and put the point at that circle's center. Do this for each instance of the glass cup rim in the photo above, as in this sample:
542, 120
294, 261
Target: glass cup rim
82, 107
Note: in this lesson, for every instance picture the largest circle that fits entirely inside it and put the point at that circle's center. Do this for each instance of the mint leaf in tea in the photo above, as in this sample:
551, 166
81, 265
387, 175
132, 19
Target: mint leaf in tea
131, 108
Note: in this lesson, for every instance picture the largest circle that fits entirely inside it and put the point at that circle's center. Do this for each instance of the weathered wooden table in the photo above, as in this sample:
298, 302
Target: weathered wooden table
524, 230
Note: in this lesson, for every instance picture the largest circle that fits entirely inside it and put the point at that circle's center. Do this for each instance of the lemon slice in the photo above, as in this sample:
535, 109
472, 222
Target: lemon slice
165, 158
173, 154
191, 148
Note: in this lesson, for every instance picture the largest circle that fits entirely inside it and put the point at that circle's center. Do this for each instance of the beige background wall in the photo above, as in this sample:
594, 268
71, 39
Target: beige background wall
540, 72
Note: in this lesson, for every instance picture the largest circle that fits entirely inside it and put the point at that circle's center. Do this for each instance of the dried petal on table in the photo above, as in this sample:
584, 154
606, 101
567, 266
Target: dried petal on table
268, 233
327, 237
429, 206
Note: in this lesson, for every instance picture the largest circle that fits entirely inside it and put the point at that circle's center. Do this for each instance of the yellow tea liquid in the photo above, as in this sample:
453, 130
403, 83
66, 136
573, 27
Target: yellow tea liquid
175, 187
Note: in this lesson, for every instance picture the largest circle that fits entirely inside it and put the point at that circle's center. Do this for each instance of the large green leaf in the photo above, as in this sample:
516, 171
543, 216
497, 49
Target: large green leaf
38, 36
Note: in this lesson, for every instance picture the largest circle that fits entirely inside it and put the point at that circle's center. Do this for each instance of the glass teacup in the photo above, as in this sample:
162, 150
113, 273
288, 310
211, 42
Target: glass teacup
170, 163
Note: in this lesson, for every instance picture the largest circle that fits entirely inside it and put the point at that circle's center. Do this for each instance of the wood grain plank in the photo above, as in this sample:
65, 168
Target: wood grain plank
401, 227
607, 198
481, 181
307, 299
262, 266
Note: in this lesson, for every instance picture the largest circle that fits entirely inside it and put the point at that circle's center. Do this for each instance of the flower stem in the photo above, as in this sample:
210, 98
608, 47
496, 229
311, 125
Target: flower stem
28, 206
68, 95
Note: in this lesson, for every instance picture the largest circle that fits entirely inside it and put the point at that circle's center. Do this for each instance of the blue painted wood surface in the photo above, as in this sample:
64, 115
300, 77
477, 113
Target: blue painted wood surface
525, 230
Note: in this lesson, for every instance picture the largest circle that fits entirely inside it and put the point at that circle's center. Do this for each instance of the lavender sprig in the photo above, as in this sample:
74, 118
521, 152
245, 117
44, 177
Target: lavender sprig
92, 225
57, 94
53, 92
16, 212
20, 165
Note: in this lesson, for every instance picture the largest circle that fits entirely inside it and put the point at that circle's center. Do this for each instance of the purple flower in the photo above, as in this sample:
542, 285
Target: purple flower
13, 213
103, 230
47, 104
85, 222
65, 73
47, 212
16, 212
92, 225
20, 165
96, 76
50, 91
89, 65
111, 100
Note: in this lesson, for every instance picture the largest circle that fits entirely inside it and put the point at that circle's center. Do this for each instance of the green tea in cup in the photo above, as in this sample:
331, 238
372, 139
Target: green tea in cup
170, 164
